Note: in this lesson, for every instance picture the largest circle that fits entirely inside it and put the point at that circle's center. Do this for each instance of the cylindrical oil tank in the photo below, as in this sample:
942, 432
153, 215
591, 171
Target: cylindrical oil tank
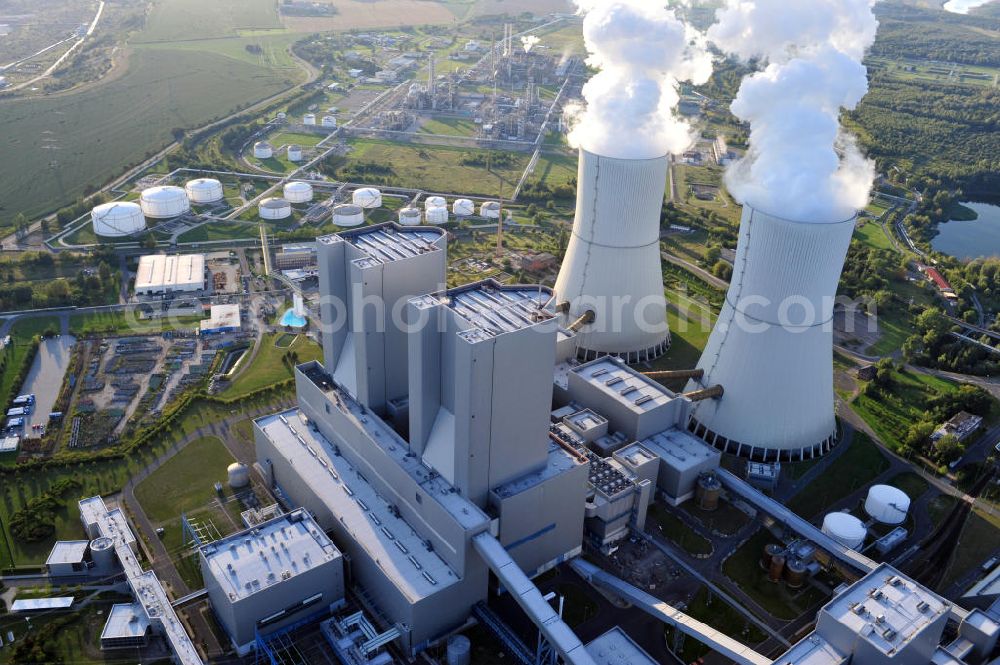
275, 208
204, 190
437, 215
102, 553
708, 491
771, 550
777, 569
348, 215
435, 202
887, 504
239, 475
298, 192
329, 122
117, 219
263, 150
459, 650
845, 528
282, 115
463, 208
410, 217
309, 119
367, 198
795, 573
490, 210
164, 202
294, 153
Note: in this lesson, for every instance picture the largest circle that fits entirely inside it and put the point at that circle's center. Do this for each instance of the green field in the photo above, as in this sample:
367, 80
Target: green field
855, 468
449, 127
872, 234
268, 366
676, 531
175, 19
127, 323
185, 482
220, 231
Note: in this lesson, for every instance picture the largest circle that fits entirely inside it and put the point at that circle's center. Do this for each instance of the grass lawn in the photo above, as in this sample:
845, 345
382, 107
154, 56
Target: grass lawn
127, 323
726, 519
913, 484
268, 367
220, 231
855, 468
978, 541
449, 127
895, 325
940, 507
717, 614
186, 481
873, 235
678, 532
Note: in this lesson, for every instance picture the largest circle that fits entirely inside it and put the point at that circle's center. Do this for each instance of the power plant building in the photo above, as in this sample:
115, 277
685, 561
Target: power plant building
159, 274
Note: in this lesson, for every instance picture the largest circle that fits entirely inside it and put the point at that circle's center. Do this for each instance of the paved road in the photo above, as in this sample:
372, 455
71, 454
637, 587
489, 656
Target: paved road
697, 270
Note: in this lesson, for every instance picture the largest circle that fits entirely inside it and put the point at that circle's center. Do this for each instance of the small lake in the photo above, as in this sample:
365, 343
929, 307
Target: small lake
963, 6
46, 377
971, 240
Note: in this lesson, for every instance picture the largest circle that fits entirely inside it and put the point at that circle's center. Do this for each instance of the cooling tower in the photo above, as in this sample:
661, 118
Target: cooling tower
772, 347
611, 277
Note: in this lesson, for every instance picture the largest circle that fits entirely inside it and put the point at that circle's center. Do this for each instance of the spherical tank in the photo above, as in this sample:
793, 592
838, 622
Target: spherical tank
463, 208
887, 504
410, 217
263, 150
164, 202
435, 202
204, 190
437, 215
348, 215
845, 528
490, 210
459, 650
298, 192
115, 220
275, 208
239, 475
367, 198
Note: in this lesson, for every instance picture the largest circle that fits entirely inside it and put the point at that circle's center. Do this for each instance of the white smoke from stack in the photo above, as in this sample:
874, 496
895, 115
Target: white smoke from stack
529, 42
642, 51
801, 164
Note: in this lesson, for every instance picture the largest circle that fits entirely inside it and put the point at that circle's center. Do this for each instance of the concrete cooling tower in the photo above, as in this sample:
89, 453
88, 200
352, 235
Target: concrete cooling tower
610, 287
772, 347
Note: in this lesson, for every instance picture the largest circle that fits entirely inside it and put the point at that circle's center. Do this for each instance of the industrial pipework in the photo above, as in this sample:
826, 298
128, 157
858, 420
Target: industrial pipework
588, 317
715, 392
671, 374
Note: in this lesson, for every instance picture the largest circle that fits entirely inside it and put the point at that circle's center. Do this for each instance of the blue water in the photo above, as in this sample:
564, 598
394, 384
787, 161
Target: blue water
293, 320
971, 240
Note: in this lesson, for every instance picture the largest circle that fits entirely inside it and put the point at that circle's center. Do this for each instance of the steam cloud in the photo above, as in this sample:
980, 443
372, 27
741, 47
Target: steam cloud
642, 51
529, 42
801, 164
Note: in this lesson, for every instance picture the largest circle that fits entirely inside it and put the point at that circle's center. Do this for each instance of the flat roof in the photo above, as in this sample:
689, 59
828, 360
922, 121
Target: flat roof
223, 316
636, 391
390, 242
67, 551
37, 604
494, 308
370, 520
9, 444
813, 650
586, 420
615, 647
887, 609
277, 550
125, 620
680, 449
113, 525
559, 461
158, 272
987, 586
636, 454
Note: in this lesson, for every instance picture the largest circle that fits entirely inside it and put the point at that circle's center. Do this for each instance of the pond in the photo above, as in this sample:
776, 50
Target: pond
963, 6
971, 239
45, 379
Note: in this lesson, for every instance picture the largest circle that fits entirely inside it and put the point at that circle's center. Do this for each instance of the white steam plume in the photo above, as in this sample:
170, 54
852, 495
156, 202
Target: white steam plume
529, 42
642, 51
801, 164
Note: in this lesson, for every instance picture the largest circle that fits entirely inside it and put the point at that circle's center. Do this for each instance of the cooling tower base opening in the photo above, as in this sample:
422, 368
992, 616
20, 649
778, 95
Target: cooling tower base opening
761, 453
629, 357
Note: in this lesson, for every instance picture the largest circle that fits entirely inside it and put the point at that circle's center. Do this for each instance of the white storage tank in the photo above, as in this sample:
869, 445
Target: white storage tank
463, 208
117, 219
845, 529
367, 198
459, 650
298, 192
164, 202
275, 208
294, 153
263, 150
435, 202
204, 190
887, 504
490, 210
282, 115
309, 119
239, 475
410, 217
329, 121
437, 215
348, 215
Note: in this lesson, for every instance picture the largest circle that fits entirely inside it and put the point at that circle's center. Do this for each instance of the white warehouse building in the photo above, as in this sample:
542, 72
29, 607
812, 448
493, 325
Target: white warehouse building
159, 274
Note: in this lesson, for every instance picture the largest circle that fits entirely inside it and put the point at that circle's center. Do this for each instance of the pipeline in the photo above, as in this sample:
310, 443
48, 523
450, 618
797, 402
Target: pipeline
715, 392
676, 374
563, 307
580, 457
588, 317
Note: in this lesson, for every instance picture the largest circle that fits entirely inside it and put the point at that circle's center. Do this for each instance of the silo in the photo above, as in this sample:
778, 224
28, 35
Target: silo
102, 553
298, 192
490, 210
204, 190
294, 153
117, 219
263, 150
367, 198
164, 202
795, 573
708, 491
463, 208
329, 122
435, 202
239, 475
309, 119
887, 504
772, 347
846, 529
771, 550
777, 569
348, 215
612, 273
274, 209
459, 650
410, 217
437, 215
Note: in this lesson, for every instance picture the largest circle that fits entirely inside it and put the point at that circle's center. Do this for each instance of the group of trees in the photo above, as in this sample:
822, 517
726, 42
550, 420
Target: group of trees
35, 521
85, 287
933, 345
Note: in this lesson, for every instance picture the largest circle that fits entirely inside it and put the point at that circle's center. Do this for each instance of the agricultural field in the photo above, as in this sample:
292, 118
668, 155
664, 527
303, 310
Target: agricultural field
363, 14
196, 19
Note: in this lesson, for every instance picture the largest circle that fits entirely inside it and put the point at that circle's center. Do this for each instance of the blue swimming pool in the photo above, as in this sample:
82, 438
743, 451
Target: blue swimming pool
293, 320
